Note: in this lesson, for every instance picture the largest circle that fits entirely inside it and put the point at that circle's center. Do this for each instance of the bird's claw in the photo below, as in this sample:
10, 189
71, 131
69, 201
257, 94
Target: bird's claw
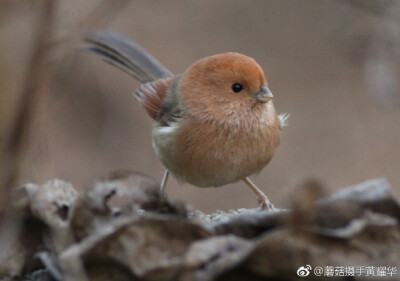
264, 204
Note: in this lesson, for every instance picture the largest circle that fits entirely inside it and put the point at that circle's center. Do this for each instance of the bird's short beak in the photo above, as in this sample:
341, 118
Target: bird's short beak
264, 94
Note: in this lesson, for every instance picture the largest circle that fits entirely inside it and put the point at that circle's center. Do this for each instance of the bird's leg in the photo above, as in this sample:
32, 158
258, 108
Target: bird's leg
164, 181
262, 198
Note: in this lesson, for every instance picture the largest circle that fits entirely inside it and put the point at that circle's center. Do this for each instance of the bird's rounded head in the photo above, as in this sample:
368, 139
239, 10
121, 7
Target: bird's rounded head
225, 84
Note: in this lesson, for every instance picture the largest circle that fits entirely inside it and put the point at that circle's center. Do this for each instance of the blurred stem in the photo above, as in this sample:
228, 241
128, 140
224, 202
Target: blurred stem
33, 91
104, 12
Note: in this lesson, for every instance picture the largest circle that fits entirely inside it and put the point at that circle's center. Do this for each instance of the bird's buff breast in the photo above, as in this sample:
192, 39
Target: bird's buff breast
210, 154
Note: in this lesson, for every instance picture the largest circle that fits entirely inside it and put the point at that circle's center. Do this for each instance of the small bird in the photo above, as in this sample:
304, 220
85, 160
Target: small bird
213, 125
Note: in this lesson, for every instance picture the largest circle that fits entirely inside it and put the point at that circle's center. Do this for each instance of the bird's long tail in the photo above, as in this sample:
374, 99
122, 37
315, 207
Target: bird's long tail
127, 55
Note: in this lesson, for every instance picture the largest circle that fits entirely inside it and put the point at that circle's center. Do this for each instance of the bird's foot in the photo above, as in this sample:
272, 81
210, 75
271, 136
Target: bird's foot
265, 204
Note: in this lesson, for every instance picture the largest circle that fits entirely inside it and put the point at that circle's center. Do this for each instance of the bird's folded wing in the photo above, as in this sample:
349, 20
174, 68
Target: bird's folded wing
159, 99
151, 95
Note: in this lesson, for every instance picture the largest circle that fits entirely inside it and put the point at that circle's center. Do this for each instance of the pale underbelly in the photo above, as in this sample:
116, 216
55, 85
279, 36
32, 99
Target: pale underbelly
217, 161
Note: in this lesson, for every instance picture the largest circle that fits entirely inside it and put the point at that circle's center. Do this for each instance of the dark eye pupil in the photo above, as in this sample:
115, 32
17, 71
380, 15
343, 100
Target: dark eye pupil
237, 87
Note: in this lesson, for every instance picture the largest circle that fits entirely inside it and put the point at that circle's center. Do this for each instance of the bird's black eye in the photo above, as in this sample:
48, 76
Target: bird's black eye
237, 87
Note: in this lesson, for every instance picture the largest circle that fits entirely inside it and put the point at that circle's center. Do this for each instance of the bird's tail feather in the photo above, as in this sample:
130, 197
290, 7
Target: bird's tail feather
126, 55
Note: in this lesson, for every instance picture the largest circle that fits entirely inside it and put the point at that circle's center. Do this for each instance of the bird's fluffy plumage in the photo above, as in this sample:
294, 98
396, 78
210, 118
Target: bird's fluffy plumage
203, 132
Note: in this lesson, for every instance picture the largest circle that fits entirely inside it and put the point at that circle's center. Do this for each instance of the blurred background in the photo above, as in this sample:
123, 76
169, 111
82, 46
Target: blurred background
333, 65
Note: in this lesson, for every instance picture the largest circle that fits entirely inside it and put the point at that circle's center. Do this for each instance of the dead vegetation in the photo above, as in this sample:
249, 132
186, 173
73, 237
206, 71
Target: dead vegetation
122, 228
